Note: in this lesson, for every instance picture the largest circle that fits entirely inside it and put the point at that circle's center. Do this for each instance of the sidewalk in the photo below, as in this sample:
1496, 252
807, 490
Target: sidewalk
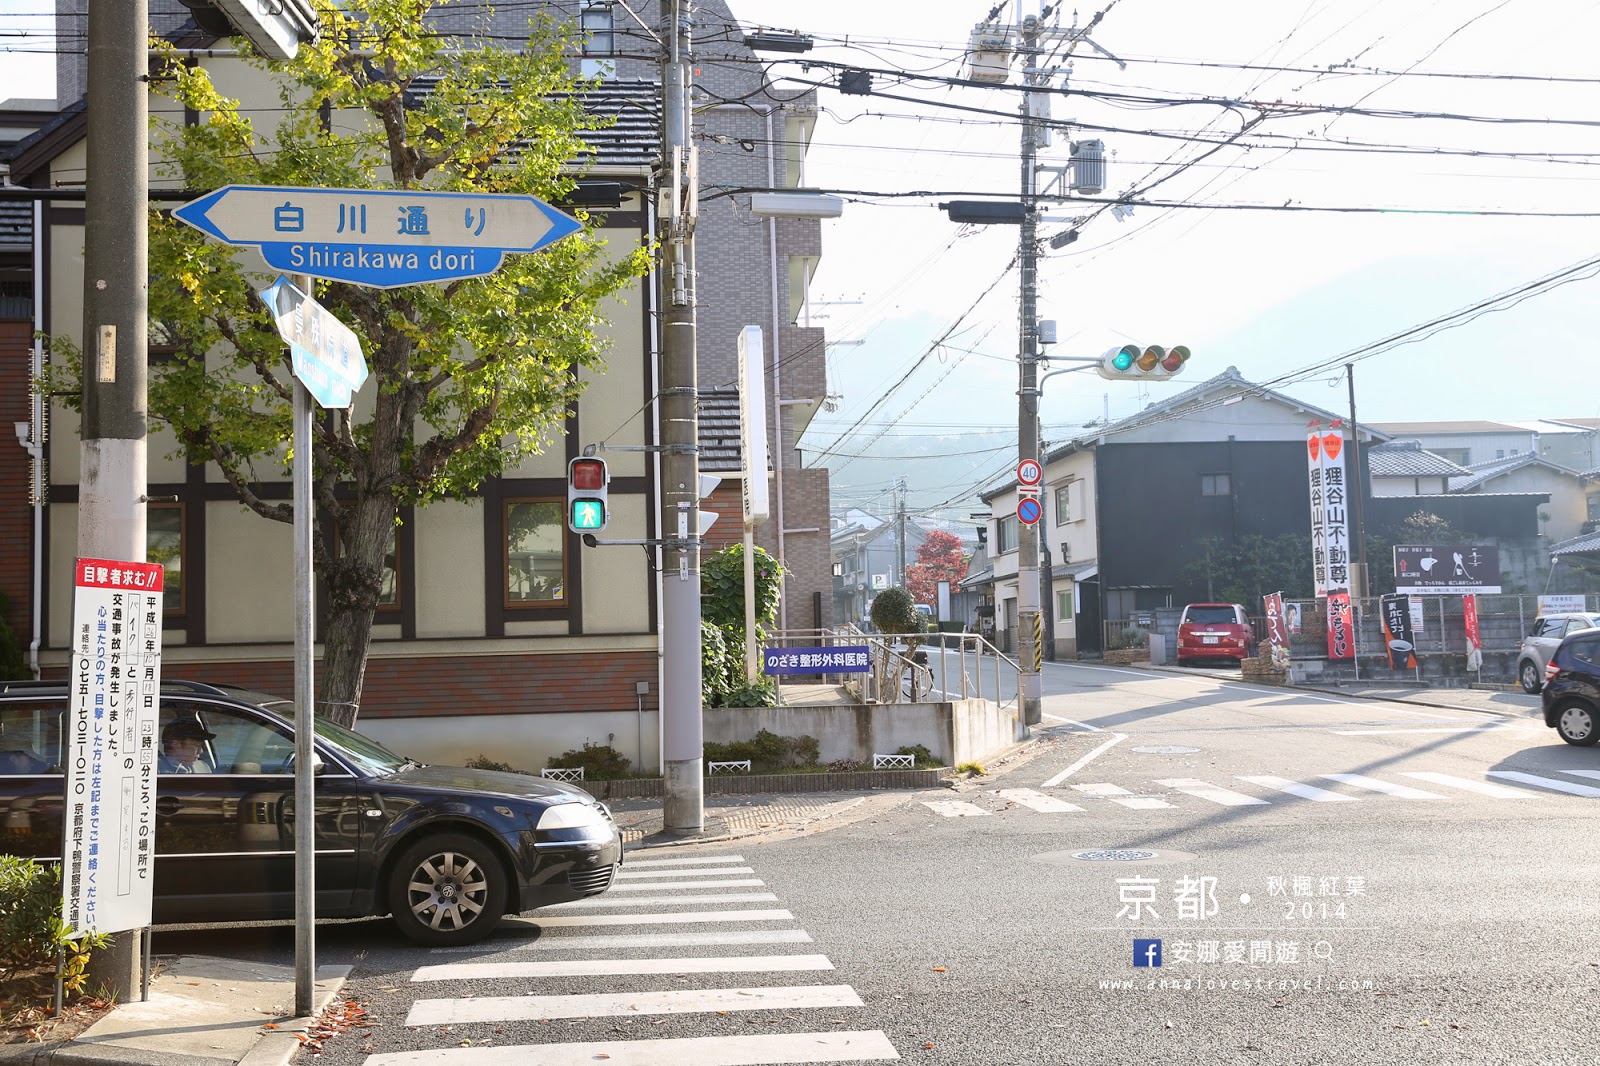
209, 1011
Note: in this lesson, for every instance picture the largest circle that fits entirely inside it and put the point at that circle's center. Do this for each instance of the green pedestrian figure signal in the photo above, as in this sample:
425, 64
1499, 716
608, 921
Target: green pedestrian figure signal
586, 495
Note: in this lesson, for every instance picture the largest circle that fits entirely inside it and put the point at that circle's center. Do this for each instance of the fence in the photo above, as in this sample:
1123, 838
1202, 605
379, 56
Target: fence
969, 667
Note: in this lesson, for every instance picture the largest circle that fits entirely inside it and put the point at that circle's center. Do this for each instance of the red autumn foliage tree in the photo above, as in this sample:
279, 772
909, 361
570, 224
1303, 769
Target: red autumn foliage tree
939, 558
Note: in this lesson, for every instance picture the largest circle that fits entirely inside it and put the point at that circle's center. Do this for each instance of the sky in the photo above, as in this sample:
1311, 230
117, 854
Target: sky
1435, 214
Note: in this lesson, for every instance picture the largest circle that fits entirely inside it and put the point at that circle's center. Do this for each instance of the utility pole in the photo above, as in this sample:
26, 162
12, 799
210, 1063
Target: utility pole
1360, 584
1028, 619
900, 517
111, 493
683, 732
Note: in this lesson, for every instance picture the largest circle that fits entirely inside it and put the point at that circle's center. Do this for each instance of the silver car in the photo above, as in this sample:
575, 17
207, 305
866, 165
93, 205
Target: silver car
1541, 642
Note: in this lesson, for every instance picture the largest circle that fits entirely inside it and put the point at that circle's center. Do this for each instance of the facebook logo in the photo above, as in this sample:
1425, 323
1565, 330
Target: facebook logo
1147, 953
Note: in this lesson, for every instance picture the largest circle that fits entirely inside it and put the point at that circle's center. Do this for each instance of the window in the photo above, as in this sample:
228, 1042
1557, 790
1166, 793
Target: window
1459, 456
1586, 651
1064, 504
30, 742
1499, 453
1064, 611
163, 543
536, 560
599, 40
225, 741
1216, 484
1594, 506
1006, 534
389, 586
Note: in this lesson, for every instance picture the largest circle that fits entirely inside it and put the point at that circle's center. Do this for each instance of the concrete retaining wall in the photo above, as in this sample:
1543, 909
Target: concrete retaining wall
956, 732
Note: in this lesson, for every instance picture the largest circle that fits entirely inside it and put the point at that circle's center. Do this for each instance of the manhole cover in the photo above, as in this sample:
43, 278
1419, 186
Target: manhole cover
1113, 855
1165, 749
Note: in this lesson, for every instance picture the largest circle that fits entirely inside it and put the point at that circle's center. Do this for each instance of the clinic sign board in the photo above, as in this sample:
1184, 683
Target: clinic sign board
380, 238
1446, 569
111, 746
839, 659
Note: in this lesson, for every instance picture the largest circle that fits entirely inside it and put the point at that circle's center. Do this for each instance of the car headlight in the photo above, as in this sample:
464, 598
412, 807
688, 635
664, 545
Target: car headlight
571, 816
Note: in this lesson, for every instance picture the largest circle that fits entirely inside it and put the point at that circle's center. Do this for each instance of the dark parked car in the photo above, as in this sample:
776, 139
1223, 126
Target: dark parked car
446, 850
1571, 694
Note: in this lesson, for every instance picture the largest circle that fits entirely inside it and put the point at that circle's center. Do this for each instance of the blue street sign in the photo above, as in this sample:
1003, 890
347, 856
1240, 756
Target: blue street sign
381, 238
838, 659
325, 353
1028, 510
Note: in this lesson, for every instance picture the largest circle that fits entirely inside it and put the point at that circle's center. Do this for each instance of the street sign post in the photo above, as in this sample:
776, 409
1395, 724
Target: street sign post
380, 238
325, 353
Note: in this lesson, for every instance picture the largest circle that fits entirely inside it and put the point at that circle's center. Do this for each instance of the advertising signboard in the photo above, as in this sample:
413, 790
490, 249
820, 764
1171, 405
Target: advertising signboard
1341, 629
111, 746
1397, 636
1446, 569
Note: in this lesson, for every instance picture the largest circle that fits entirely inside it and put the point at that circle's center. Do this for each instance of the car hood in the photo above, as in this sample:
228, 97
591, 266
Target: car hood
488, 782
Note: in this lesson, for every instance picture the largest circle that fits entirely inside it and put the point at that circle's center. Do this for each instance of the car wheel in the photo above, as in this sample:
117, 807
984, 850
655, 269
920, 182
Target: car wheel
447, 889
1575, 722
1531, 677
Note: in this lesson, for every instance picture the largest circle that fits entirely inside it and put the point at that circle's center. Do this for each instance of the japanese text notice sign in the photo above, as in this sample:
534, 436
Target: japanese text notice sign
842, 659
111, 747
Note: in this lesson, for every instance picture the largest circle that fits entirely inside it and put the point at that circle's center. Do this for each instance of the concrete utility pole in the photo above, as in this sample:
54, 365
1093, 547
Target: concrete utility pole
1028, 619
683, 732
111, 504
900, 532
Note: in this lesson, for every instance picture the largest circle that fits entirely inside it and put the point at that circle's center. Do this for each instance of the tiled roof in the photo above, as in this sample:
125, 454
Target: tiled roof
719, 430
1480, 473
1408, 458
1587, 544
1411, 429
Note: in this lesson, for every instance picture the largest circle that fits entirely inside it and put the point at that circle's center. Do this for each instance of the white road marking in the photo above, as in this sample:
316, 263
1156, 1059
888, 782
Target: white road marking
1202, 790
775, 1049
1388, 788
473, 971
560, 921
642, 886
1594, 774
1481, 787
1546, 782
591, 942
631, 873
667, 901
1116, 738
1408, 732
629, 1004
704, 860
1296, 788
1120, 795
1037, 801
955, 808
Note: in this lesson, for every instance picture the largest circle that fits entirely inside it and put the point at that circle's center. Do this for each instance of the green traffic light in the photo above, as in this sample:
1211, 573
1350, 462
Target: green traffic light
588, 515
1123, 359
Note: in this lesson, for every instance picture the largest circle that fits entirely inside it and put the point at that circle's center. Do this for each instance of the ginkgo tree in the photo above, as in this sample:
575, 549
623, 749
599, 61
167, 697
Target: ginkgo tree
468, 377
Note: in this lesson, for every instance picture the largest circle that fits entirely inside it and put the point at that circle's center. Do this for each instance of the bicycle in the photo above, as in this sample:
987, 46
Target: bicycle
918, 681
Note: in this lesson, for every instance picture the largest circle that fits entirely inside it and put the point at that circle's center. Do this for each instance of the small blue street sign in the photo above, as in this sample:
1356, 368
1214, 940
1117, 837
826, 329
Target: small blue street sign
381, 238
1028, 510
325, 353
839, 659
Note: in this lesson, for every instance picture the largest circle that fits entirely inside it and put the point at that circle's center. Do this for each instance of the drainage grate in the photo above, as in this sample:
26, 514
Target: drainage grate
1113, 855
1165, 749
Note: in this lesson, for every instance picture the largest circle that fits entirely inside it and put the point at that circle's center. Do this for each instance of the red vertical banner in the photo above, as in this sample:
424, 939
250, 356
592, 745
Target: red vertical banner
1341, 635
1277, 628
1469, 616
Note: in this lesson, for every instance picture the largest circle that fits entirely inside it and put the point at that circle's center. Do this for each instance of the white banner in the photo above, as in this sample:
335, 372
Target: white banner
111, 745
1335, 509
1319, 534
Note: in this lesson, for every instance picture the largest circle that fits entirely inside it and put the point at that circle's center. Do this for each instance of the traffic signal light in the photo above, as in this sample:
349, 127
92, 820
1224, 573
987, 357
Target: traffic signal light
1133, 363
586, 495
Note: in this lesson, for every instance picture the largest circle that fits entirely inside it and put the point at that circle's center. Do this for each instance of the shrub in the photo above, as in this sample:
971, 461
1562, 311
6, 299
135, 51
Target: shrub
31, 929
767, 752
925, 759
894, 612
483, 762
600, 762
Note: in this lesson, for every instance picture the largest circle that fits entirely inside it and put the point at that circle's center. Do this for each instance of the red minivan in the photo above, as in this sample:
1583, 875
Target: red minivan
1214, 631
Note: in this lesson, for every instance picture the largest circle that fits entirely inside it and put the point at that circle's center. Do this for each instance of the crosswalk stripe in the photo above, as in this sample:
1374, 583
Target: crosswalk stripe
1190, 786
1481, 787
1388, 788
1296, 788
1037, 801
720, 871
767, 1049
658, 901
1546, 782
955, 808
1122, 796
630, 1004
1595, 774
658, 886
558, 921
473, 971
700, 860
593, 941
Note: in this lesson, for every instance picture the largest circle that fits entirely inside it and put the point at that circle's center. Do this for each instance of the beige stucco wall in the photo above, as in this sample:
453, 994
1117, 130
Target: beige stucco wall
249, 576
616, 584
449, 544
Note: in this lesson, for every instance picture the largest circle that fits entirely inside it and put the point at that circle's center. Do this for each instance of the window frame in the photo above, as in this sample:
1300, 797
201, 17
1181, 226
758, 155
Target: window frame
181, 610
507, 602
383, 610
1000, 528
1212, 481
1063, 503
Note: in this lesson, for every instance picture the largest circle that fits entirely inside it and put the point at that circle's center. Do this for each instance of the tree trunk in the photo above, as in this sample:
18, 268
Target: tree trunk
354, 582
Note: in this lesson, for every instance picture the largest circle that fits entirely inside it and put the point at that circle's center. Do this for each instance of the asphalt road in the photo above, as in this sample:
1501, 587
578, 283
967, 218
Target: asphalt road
1332, 881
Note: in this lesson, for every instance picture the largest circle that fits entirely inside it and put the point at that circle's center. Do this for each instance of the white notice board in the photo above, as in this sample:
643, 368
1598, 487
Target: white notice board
111, 746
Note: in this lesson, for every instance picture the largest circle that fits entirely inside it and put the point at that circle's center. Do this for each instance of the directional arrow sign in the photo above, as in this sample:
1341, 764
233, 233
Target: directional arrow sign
382, 238
326, 354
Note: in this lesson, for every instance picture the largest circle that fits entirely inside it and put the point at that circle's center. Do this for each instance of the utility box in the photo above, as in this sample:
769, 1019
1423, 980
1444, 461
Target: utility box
1089, 167
989, 55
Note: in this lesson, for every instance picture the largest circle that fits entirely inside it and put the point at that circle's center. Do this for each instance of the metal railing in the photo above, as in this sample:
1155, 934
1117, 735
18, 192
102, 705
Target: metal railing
960, 658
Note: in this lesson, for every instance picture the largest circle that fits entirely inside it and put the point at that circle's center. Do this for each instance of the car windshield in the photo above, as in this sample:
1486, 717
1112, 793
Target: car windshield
362, 752
1211, 616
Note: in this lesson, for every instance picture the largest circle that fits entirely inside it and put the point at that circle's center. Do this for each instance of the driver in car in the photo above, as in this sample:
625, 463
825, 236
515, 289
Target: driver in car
183, 747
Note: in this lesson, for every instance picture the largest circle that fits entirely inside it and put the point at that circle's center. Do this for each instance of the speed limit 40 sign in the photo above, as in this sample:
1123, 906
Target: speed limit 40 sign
1029, 472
